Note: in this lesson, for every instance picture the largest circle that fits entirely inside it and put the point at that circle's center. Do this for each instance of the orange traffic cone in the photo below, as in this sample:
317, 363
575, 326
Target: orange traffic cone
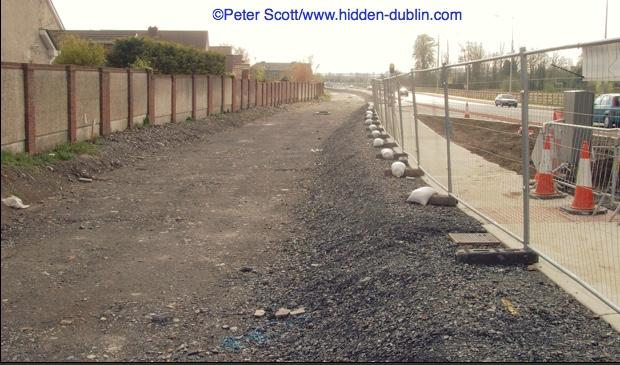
466, 110
545, 188
583, 202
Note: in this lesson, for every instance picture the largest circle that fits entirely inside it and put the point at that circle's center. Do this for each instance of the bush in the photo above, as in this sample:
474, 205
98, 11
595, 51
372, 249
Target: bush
164, 57
78, 51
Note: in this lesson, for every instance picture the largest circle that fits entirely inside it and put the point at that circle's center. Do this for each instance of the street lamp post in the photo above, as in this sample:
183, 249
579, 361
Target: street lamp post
606, 15
512, 50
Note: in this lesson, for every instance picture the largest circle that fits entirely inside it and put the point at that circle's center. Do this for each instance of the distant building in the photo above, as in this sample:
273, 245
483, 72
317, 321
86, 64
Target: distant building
234, 62
292, 71
198, 39
24, 38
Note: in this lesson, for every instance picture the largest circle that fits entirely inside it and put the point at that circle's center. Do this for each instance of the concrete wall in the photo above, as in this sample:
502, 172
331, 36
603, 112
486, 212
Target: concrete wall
13, 126
140, 97
118, 101
217, 94
21, 21
50, 100
184, 98
228, 95
251, 93
201, 97
259, 93
88, 114
163, 99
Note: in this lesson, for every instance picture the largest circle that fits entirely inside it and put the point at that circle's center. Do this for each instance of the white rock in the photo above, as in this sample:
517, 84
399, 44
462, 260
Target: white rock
398, 168
387, 153
372, 127
283, 312
376, 133
259, 313
377, 142
14, 202
298, 311
368, 121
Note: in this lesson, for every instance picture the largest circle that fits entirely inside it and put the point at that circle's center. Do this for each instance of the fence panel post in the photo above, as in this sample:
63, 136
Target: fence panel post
415, 119
385, 105
447, 127
71, 101
209, 95
400, 119
194, 96
150, 100
173, 99
29, 110
129, 98
104, 102
525, 147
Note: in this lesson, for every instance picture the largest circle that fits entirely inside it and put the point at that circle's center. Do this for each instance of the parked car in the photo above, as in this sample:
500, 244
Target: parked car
403, 91
505, 100
607, 111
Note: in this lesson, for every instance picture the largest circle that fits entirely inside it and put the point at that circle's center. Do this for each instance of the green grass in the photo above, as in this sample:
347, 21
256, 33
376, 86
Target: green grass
326, 96
63, 152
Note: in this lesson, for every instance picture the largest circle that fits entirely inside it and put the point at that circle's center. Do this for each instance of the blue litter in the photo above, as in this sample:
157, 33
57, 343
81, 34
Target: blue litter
230, 344
257, 336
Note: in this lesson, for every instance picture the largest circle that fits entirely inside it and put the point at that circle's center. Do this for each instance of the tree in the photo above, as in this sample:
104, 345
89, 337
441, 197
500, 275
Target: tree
258, 73
301, 72
424, 52
164, 57
78, 51
245, 56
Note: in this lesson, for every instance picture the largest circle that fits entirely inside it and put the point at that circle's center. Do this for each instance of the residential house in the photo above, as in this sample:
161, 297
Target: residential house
198, 39
24, 38
235, 64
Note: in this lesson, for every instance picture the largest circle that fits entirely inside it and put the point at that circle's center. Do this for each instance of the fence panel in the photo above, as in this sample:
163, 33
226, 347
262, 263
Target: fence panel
540, 173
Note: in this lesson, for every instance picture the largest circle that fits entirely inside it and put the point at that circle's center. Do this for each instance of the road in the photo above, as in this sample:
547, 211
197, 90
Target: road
433, 104
478, 109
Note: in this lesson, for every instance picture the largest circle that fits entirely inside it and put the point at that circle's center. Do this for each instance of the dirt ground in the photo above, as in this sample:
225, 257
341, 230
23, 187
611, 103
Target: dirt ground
496, 142
188, 229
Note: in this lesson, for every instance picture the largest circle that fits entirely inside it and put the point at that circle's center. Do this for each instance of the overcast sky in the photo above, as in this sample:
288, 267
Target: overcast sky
357, 46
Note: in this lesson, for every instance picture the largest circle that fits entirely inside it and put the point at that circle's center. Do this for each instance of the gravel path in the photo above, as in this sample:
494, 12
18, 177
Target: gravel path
379, 282
185, 233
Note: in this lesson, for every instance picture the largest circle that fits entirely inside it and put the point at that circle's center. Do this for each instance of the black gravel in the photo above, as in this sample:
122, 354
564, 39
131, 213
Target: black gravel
379, 281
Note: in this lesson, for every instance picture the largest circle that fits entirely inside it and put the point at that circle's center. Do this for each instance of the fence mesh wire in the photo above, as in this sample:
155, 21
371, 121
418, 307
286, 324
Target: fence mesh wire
464, 125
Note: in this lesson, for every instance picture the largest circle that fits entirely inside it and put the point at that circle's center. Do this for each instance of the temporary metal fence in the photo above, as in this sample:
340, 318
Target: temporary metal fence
498, 156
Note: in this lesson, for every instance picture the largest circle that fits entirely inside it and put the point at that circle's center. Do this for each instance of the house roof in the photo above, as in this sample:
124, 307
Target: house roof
50, 4
279, 66
192, 38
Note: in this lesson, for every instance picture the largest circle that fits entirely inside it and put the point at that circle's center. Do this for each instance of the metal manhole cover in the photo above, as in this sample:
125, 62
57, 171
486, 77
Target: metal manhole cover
474, 238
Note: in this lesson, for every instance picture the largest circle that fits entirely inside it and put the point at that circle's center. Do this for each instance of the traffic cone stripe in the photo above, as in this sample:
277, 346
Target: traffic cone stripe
584, 197
544, 177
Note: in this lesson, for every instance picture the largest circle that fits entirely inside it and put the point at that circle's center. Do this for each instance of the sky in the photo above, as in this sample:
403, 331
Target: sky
341, 46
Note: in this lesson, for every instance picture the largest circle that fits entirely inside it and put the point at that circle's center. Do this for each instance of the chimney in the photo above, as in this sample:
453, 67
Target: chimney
153, 32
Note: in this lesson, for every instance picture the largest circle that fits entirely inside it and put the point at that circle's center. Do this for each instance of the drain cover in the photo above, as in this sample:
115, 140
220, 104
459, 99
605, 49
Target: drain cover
474, 239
